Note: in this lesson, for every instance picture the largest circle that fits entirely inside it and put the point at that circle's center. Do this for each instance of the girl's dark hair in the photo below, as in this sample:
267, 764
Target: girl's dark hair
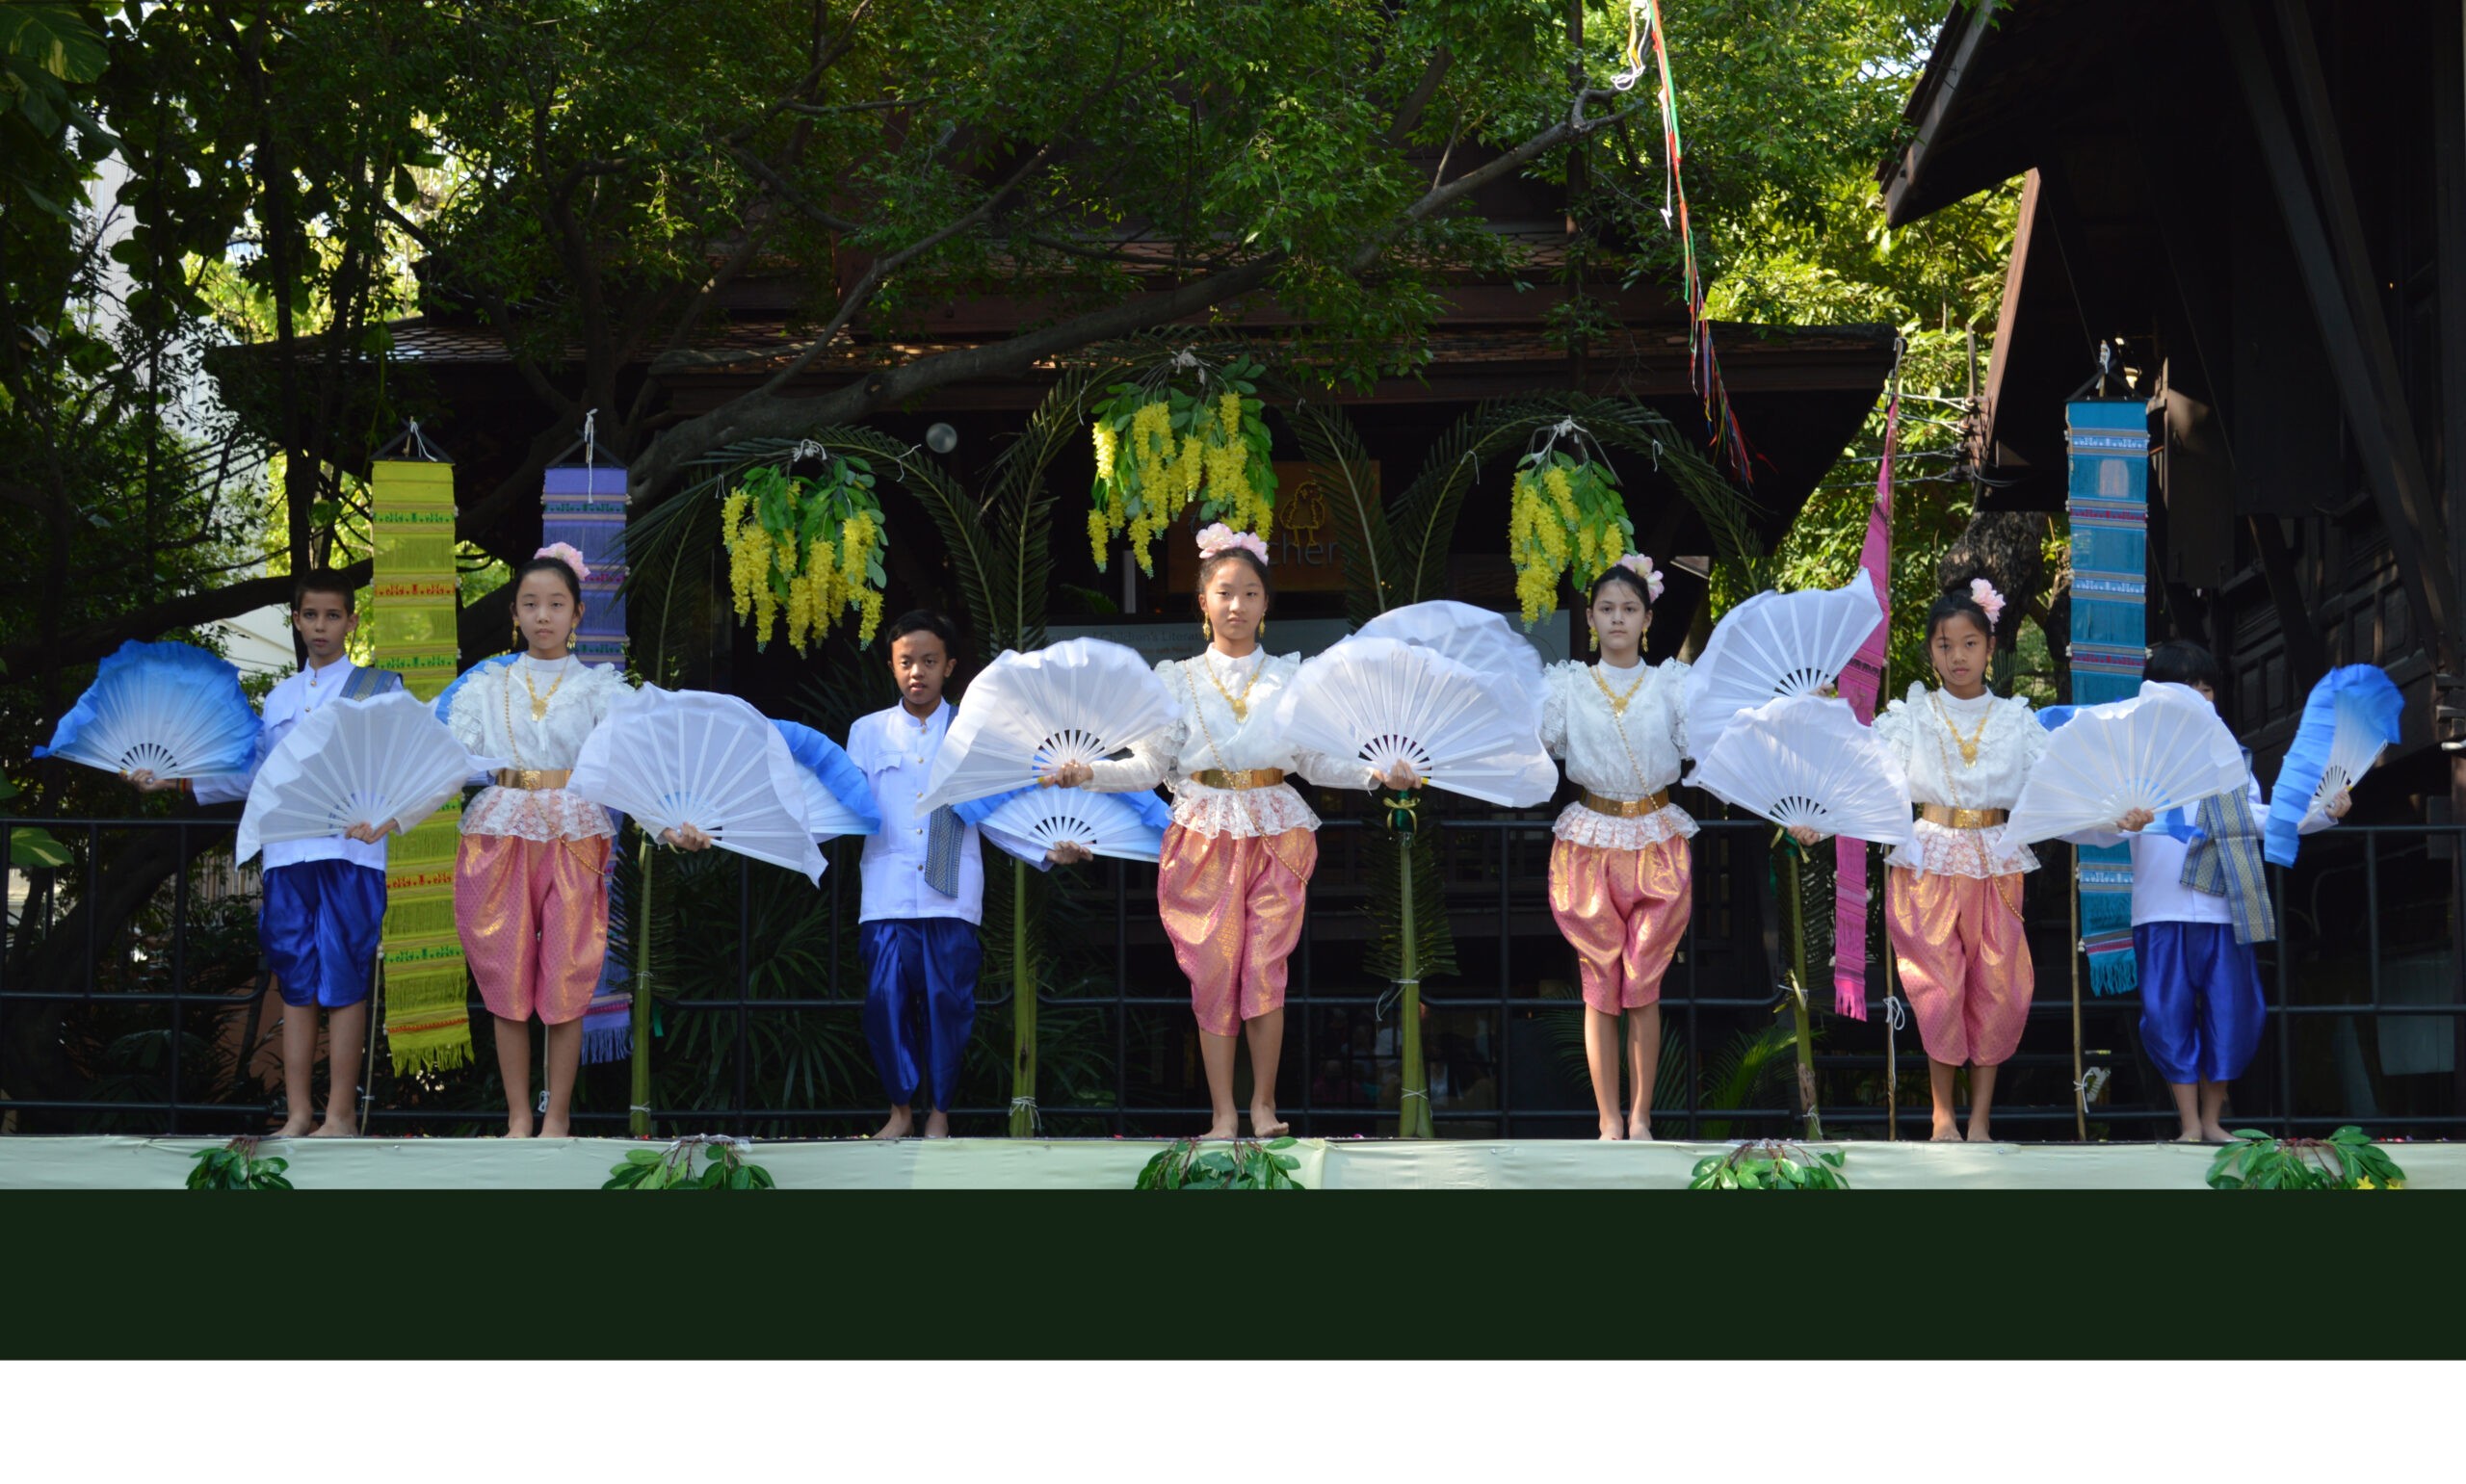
1207, 567
556, 564
1620, 574
1957, 604
924, 620
2183, 663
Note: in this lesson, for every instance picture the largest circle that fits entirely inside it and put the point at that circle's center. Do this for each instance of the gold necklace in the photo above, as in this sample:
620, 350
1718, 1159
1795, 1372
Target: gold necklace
538, 702
1968, 745
1240, 704
1617, 702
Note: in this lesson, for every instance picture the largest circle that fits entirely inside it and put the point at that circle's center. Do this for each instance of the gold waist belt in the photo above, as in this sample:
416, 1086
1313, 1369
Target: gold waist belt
534, 777
1238, 779
1959, 818
1627, 808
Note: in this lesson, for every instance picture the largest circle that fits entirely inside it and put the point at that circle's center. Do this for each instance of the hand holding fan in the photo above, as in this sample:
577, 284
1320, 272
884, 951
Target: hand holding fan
1078, 701
2349, 718
378, 762
1806, 762
1125, 826
2163, 747
171, 710
678, 758
1386, 702
1775, 643
1480, 640
838, 801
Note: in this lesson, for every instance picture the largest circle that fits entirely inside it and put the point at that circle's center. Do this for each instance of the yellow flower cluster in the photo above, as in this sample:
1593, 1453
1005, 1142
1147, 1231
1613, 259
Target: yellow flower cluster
1148, 475
768, 572
1563, 518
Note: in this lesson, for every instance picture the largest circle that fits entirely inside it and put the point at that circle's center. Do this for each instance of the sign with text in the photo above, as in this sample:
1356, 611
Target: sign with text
1302, 551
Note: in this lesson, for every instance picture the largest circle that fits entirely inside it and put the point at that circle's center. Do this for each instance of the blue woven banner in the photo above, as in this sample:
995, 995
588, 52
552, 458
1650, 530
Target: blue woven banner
583, 506
2107, 503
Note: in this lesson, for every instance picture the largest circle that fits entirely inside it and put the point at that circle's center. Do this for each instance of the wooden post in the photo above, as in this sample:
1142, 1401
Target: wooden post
1789, 854
638, 1122
1023, 1010
1412, 1098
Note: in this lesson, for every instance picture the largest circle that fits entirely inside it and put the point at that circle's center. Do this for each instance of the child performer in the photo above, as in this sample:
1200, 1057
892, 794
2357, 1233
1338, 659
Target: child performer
1621, 884
325, 898
528, 897
1236, 862
1953, 904
2196, 911
924, 887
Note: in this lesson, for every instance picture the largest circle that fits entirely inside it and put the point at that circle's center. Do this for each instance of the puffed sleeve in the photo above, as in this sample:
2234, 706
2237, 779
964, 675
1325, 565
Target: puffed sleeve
607, 687
1333, 773
1151, 758
1674, 699
1895, 725
1554, 707
468, 722
2033, 737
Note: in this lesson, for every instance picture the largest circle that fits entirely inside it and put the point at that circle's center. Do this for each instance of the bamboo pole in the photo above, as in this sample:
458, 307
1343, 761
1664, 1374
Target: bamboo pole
1791, 856
2079, 1095
638, 1120
1412, 1100
1023, 1011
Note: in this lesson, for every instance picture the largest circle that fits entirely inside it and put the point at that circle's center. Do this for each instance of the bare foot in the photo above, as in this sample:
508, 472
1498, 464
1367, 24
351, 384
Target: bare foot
1978, 1134
518, 1126
2190, 1137
1612, 1128
2216, 1133
293, 1128
1639, 1126
554, 1127
1946, 1132
900, 1125
1222, 1129
1265, 1124
937, 1125
335, 1127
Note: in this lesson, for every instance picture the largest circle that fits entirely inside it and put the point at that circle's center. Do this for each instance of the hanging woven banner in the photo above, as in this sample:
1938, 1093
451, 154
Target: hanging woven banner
1861, 685
2108, 502
583, 506
411, 512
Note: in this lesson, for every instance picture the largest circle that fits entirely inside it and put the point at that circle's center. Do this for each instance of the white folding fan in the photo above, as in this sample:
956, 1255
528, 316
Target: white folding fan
372, 762
1124, 826
672, 758
2156, 750
1078, 701
171, 710
1804, 759
1384, 702
1480, 640
1775, 643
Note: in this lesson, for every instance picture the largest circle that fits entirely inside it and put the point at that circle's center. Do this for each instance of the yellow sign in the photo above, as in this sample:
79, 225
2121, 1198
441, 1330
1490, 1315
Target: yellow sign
1301, 550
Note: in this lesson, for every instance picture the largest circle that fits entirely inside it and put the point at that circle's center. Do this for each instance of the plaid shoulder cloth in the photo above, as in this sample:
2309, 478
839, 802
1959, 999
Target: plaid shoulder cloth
2226, 862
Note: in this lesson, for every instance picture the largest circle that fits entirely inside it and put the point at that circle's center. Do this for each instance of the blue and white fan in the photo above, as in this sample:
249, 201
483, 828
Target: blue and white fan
171, 710
2348, 720
838, 801
1125, 826
674, 758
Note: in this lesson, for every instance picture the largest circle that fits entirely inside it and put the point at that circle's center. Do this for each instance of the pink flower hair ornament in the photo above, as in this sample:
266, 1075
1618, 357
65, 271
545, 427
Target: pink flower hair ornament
1642, 566
1218, 539
1982, 593
564, 552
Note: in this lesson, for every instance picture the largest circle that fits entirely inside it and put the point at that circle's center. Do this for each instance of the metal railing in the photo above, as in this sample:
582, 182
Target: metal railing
1504, 1025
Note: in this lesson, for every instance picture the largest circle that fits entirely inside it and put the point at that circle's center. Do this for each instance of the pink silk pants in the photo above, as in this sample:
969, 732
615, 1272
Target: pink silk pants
533, 919
1232, 909
1963, 962
1625, 913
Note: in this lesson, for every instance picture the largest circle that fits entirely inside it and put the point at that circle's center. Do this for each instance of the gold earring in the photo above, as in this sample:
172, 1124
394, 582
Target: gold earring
1259, 631
1596, 639
515, 642
1206, 629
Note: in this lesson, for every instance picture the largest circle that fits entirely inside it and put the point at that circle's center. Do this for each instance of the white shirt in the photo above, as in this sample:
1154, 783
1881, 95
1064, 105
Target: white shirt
2158, 893
492, 720
1209, 736
895, 751
292, 698
1921, 736
1617, 755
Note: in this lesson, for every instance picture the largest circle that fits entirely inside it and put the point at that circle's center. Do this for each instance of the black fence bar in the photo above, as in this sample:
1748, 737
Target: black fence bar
178, 1111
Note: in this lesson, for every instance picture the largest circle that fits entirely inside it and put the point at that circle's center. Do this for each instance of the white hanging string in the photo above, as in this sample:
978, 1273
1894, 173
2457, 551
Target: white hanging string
1035, 1122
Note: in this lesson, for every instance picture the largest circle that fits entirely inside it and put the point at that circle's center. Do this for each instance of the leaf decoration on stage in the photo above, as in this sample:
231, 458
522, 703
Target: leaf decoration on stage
806, 550
236, 1166
1163, 441
725, 1168
1771, 1165
2345, 1160
1221, 1164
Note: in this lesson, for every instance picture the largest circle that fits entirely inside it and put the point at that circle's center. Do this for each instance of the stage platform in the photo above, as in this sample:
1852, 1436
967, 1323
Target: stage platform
74, 1163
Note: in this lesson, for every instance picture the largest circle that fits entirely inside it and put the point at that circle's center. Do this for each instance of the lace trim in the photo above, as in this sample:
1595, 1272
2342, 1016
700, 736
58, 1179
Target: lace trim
537, 814
1579, 826
1943, 850
1240, 814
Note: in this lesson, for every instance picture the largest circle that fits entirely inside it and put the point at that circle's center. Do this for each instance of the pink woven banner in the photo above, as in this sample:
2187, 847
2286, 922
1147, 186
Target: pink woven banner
1862, 687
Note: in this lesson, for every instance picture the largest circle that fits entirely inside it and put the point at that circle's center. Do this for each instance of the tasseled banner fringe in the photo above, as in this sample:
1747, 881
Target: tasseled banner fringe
608, 1030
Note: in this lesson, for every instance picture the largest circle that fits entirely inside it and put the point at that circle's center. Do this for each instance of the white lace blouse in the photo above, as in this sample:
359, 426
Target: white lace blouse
1617, 755
492, 720
1210, 737
1916, 733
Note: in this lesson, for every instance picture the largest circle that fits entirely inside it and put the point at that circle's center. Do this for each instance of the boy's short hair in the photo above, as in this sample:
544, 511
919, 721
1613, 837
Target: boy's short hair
924, 620
2180, 661
325, 580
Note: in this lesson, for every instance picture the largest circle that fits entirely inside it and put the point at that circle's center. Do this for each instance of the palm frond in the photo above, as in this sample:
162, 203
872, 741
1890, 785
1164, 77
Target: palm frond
1330, 443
